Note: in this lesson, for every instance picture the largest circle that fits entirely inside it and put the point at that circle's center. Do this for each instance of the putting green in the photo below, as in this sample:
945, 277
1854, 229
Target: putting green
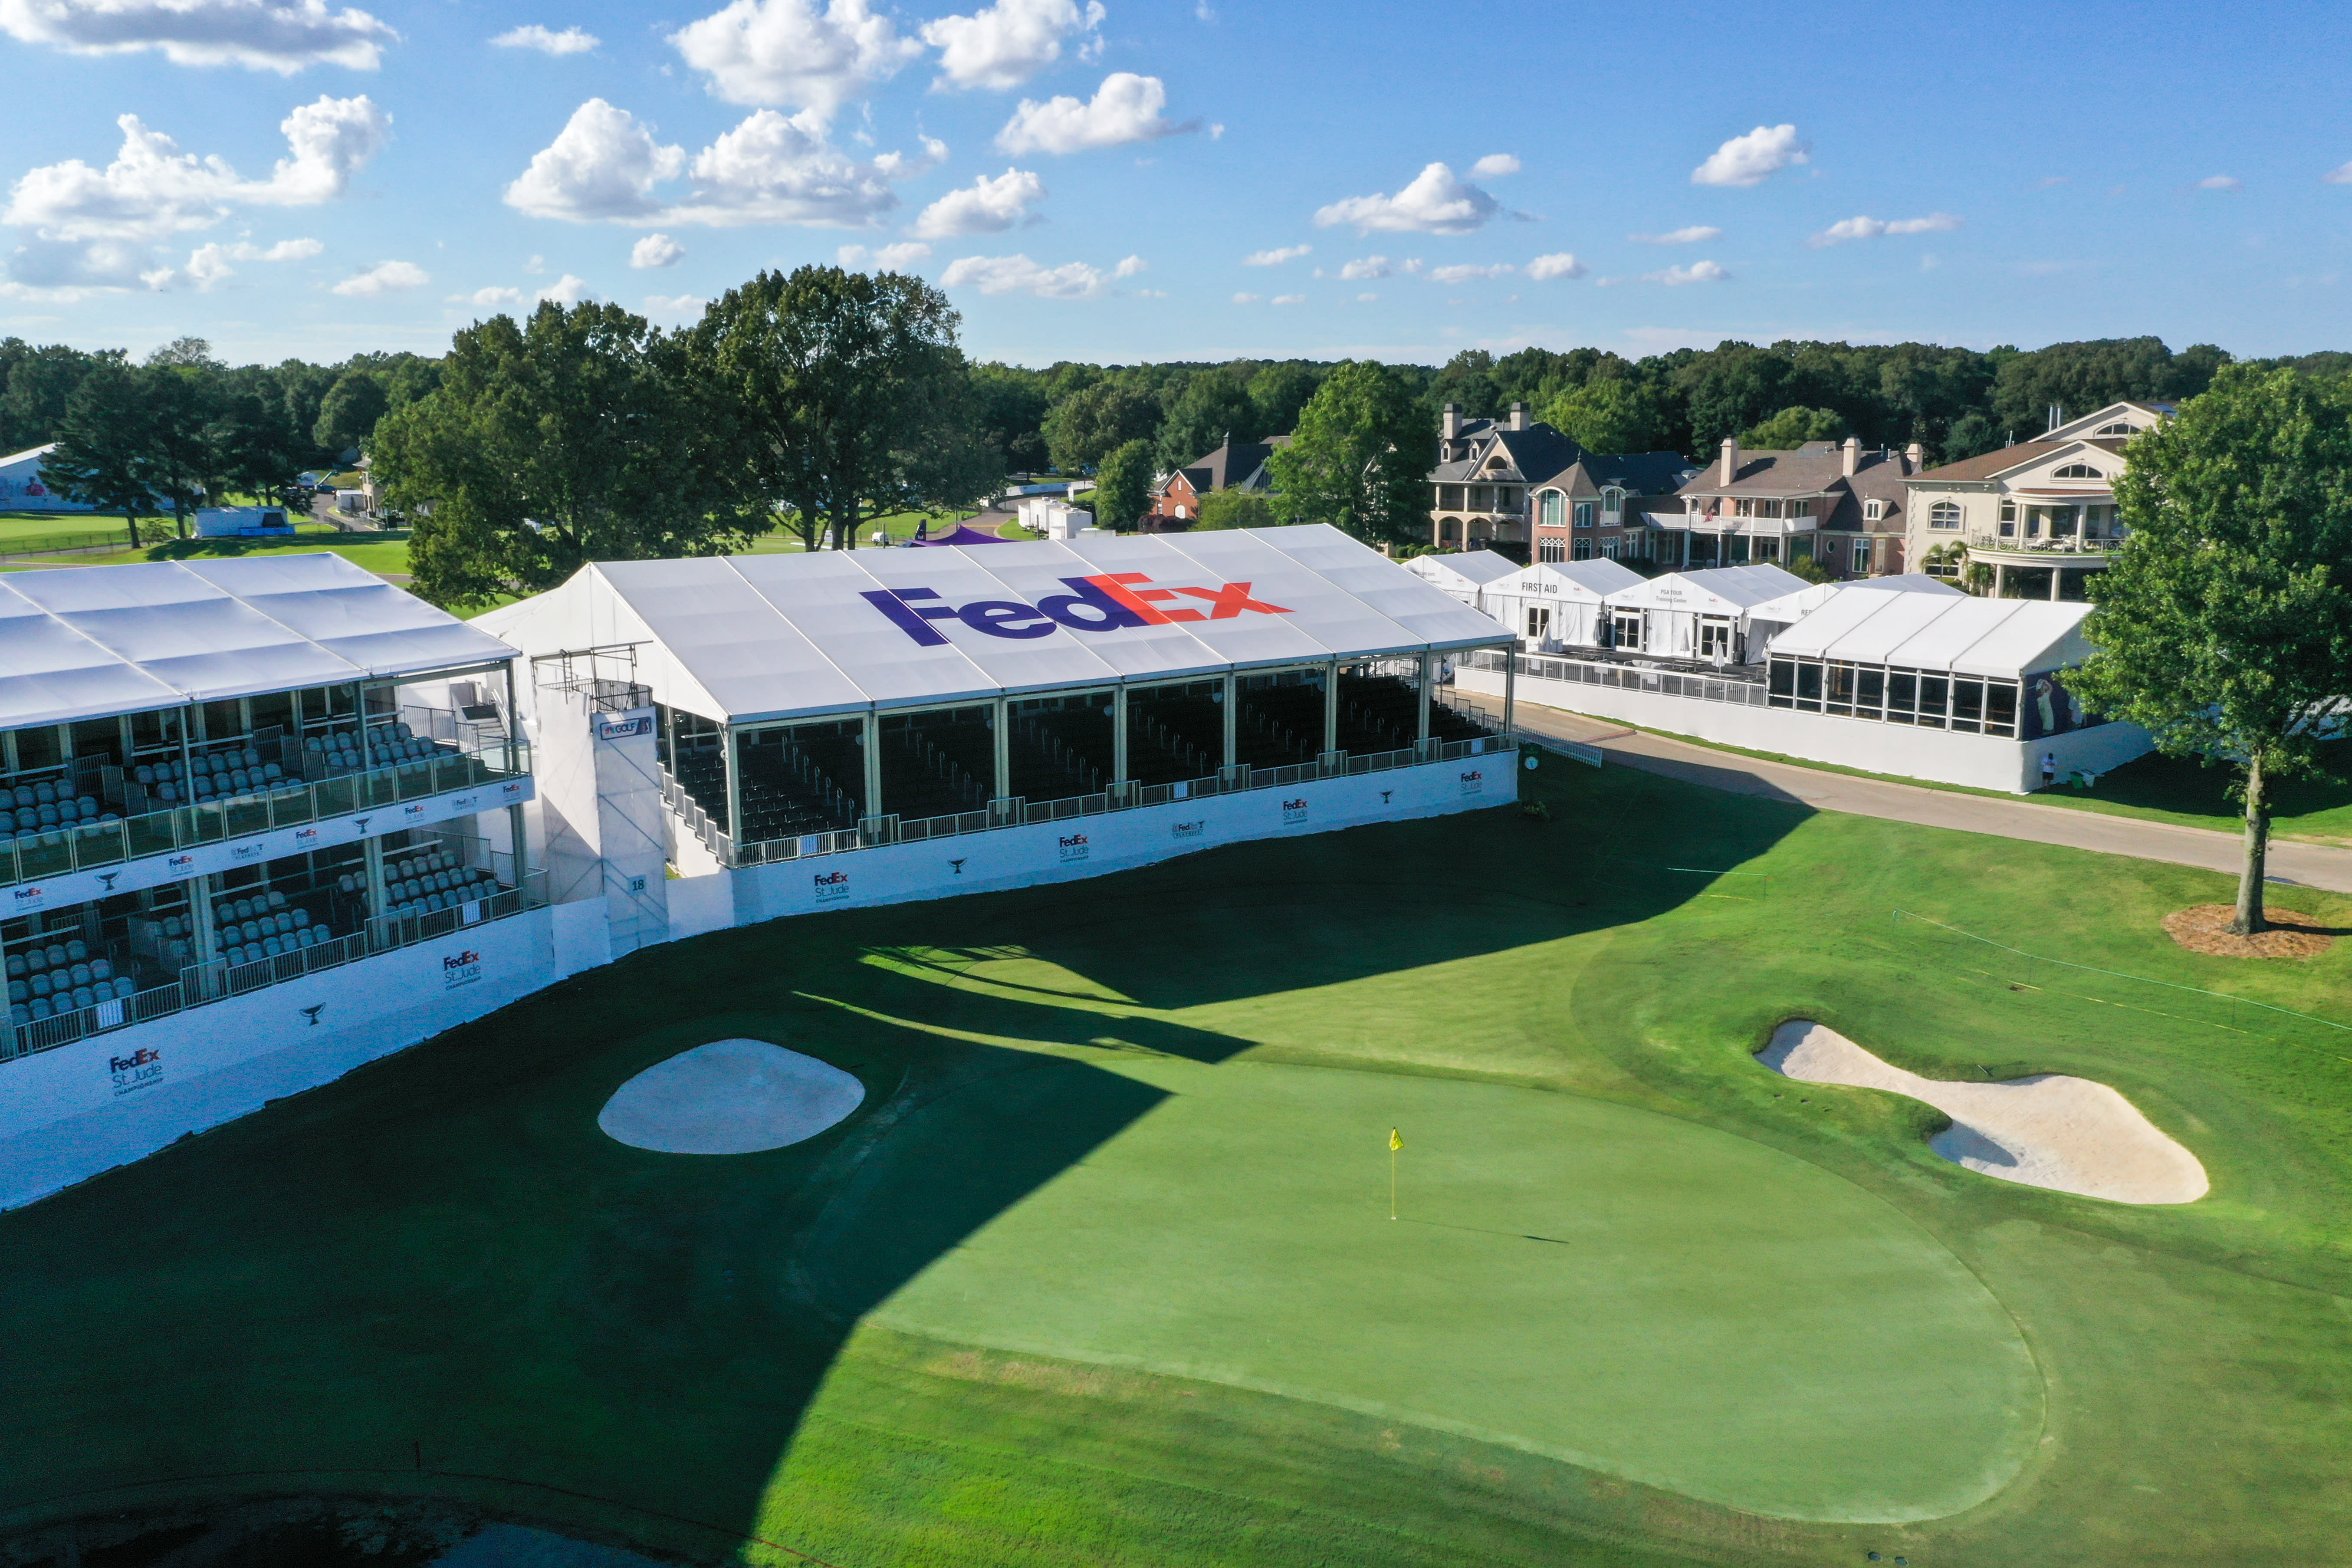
1600, 1284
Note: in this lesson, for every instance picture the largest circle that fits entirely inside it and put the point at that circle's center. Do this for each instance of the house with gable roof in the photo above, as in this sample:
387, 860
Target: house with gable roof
2041, 513
1235, 465
1522, 488
1838, 505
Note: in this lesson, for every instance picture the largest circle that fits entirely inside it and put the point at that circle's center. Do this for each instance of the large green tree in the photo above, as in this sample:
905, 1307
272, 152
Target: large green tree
1122, 486
847, 399
1610, 413
2224, 625
179, 387
1095, 420
103, 453
578, 435
349, 412
1791, 427
1211, 410
1361, 458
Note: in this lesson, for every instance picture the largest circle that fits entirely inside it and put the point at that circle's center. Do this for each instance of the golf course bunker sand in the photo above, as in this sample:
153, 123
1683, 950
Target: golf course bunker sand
730, 1097
2049, 1131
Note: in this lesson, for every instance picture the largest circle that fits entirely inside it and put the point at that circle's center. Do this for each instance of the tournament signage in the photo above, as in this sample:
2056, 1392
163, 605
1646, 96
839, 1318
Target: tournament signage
1107, 602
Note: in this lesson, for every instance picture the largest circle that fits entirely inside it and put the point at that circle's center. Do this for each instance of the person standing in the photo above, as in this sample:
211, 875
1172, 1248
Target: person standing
2049, 769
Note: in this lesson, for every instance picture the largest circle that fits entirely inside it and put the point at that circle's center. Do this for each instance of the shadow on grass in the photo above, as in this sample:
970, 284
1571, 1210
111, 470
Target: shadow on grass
435, 1277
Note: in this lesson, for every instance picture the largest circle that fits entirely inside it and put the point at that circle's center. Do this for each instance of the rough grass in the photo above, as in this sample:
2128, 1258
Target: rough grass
439, 1256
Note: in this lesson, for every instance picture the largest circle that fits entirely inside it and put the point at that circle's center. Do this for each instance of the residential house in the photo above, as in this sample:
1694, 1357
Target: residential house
2040, 513
1236, 465
1523, 488
1838, 505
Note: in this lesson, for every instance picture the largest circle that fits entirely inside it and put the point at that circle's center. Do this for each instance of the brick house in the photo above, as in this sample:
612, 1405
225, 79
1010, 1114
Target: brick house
1236, 465
1840, 506
1522, 488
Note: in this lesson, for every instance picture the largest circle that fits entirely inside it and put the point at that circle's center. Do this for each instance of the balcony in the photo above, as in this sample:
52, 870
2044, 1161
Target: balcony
2069, 549
1726, 523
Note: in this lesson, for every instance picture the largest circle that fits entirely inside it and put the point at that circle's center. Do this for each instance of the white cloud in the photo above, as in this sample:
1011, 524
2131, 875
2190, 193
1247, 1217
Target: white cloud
1275, 258
384, 277
675, 304
209, 264
1129, 266
1249, 299
1696, 272
1870, 228
153, 189
787, 52
1366, 299
1002, 46
1150, 293
1437, 202
1290, 300
889, 258
1559, 264
900, 166
1494, 167
655, 250
1019, 275
1464, 273
1365, 268
1695, 233
570, 41
2339, 175
485, 297
985, 206
565, 290
2221, 182
1749, 160
605, 166
282, 36
1126, 108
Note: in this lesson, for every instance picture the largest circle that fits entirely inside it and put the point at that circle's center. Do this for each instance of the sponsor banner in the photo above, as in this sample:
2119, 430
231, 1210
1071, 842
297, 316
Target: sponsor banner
623, 726
135, 1070
1197, 827
1473, 781
832, 887
205, 859
1106, 602
1072, 847
463, 967
1293, 810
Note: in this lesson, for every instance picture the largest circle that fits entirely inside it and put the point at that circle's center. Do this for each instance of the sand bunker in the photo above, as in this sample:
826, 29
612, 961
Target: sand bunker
2049, 1131
730, 1097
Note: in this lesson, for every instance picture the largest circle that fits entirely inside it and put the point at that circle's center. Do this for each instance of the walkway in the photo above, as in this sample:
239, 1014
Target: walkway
2310, 865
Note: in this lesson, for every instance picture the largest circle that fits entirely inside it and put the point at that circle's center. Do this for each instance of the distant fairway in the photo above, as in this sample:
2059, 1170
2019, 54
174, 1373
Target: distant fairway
1604, 1285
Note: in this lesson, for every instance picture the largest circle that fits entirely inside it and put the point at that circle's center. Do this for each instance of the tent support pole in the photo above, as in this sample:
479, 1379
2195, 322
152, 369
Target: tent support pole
1332, 707
1232, 719
1004, 728
1118, 736
1420, 723
734, 787
873, 765
373, 849
1510, 680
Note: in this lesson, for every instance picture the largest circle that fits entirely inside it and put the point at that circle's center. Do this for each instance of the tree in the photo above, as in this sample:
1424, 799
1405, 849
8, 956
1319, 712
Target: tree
349, 412
1792, 428
1123, 486
1234, 508
2083, 376
179, 390
1012, 404
579, 436
103, 446
847, 399
1085, 427
1610, 415
1277, 393
2224, 623
1361, 459
1211, 409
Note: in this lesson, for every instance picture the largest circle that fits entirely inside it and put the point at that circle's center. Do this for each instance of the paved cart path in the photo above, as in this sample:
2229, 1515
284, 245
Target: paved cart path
2312, 865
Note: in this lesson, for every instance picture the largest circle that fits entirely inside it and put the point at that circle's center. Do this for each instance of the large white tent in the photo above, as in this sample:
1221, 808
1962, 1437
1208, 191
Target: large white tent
84, 644
1558, 603
1696, 615
1463, 574
753, 638
1768, 620
1958, 635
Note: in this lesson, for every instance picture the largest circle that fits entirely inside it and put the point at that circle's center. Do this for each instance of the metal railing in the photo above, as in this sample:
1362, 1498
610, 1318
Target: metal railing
1738, 691
55, 851
200, 984
2060, 544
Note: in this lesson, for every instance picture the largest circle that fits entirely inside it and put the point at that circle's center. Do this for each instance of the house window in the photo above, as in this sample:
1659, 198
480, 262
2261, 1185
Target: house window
2118, 430
1944, 514
1612, 499
1873, 511
2077, 472
1584, 515
1551, 548
1862, 555
1801, 507
1446, 532
1554, 509
1584, 551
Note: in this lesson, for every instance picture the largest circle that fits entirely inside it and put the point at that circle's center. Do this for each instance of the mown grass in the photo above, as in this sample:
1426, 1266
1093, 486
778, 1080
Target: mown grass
442, 1251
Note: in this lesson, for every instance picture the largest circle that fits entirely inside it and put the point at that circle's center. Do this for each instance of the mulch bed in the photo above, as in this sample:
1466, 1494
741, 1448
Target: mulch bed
2205, 928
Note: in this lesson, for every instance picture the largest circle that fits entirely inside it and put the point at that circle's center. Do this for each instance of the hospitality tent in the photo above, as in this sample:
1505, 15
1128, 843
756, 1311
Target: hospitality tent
90, 644
1769, 619
2012, 651
1464, 574
1695, 614
748, 640
1557, 605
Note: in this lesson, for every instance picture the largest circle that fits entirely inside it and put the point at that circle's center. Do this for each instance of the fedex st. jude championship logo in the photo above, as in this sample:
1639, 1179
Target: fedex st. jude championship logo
140, 1070
1107, 601
1073, 847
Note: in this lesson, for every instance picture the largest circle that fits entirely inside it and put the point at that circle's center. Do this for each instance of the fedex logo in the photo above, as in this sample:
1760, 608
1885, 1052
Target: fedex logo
138, 1058
1103, 602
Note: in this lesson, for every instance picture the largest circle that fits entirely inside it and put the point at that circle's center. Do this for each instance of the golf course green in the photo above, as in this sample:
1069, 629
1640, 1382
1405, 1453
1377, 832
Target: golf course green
1101, 1270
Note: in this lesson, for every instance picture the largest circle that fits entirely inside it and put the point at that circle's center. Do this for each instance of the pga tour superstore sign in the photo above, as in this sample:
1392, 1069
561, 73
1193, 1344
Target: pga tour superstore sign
1107, 602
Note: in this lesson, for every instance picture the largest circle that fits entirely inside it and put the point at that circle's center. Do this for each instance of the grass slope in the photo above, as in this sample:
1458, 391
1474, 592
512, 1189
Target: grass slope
439, 1258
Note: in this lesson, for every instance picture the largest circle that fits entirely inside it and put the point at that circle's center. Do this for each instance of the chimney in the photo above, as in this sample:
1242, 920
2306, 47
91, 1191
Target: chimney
1853, 454
1518, 415
1452, 423
1730, 460
1916, 456
2057, 416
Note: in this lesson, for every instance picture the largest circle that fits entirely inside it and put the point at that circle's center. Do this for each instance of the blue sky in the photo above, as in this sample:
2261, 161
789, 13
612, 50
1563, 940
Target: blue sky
1090, 179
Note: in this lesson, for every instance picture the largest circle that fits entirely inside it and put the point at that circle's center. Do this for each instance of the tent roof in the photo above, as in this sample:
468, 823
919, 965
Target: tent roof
1479, 567
1595, 579
88, 642
2002, 638
750, 638
1796, 606
1717, 588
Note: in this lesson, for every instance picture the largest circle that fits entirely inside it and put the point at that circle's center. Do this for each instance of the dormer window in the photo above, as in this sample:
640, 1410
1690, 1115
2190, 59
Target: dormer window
2117, 430
1873, 511
1613, 499
2078, 471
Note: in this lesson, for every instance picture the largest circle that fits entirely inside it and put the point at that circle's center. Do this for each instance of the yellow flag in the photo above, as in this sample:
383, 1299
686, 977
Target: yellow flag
1395, 1139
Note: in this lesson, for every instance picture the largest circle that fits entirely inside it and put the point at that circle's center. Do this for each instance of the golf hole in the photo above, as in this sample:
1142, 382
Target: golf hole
730, 1097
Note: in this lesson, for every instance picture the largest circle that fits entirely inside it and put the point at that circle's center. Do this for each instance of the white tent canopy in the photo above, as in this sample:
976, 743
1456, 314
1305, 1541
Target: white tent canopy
1463, 574
1718, 591
1568, 593
2002, 638
754, 638
92, 642
1790, 609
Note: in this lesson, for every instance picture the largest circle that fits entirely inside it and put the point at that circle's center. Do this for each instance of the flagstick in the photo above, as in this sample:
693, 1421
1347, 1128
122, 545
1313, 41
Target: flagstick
1391, 1183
